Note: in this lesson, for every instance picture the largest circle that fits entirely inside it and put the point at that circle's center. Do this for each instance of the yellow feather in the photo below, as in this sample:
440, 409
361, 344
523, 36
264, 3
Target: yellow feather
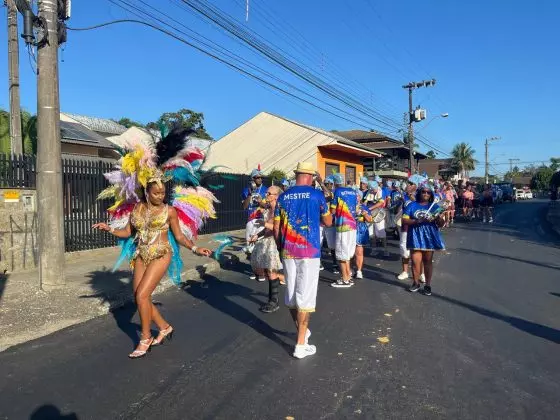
116, 205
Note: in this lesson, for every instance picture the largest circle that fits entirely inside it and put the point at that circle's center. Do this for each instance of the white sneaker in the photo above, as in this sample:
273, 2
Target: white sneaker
304, 350
422, 278
261, 279
359, 275
403, 275
253, 277
491, 220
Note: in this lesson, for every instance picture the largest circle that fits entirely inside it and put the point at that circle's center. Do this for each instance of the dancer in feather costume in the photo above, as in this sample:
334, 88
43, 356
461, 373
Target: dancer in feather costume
149, 230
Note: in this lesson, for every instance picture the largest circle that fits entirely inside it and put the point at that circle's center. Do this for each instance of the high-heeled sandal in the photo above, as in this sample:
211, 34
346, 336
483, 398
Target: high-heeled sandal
165, 334
136, 354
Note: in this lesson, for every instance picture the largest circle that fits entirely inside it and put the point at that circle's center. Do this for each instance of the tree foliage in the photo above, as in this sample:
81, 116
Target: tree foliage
277, 175
541, 180
28, 132
185, 118
431, 154
127, 122
463, 158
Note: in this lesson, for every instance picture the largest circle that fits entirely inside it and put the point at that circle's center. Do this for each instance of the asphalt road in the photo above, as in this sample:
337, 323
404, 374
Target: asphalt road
484, 346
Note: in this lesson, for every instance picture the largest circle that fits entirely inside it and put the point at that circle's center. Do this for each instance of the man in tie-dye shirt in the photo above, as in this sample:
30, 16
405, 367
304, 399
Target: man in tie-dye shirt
343, 207
297, 218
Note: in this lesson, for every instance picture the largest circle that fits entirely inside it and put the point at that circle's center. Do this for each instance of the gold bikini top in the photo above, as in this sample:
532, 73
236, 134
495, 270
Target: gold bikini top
148, 226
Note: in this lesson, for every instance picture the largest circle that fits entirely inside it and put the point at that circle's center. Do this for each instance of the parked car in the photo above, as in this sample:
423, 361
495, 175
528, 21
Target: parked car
528, 194
519, 195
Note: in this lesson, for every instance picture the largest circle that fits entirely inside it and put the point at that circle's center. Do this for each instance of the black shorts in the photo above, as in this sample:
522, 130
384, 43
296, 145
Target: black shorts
467, 204
476, 203
487, 202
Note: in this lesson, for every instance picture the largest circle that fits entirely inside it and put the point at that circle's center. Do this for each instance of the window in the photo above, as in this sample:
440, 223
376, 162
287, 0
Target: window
331, 168
350, 174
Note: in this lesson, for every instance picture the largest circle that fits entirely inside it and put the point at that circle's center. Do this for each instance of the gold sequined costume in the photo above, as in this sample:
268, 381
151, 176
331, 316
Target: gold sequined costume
149, 231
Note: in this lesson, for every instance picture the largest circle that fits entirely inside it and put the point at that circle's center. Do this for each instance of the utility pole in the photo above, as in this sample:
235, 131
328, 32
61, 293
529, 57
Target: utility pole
49, 159
16, 143
486, 165
411, 118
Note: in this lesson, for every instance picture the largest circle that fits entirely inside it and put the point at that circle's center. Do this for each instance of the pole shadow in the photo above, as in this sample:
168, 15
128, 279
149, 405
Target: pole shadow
215, 292
538, 330
3, 280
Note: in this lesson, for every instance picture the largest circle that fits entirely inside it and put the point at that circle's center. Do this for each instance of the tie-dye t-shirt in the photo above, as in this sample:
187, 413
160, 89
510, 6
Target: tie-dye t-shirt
344, 204
299, 211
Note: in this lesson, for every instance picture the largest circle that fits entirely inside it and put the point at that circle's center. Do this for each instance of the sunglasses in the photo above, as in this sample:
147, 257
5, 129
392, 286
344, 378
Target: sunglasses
269, 193
426, 192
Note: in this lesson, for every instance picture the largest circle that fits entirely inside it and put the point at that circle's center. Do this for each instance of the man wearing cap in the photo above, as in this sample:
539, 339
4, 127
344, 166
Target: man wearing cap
364, 188
344, 207
297, 218
253, 203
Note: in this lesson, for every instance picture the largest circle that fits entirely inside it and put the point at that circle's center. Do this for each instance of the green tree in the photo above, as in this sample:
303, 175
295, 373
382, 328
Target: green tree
277, 175
431, 154
127, 122
29, 132
463, 158
554, 164
4, 132
185, 118
541, 180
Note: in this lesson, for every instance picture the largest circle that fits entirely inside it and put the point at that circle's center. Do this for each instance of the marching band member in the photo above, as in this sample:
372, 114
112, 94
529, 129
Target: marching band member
424, 219
376, 200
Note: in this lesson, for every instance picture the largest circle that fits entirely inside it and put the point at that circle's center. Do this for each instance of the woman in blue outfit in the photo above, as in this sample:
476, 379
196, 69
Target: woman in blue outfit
423, 218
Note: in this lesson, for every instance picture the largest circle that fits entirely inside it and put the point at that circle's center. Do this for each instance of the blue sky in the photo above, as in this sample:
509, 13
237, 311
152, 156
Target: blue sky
496, 65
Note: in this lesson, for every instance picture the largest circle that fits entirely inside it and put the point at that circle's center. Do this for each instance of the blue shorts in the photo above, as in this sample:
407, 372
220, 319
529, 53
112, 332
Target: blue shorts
362, 234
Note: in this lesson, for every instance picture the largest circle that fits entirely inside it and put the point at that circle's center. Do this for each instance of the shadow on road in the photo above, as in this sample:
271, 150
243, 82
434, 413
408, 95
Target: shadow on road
109, 287
555, 294
51, 412
216, 293
529, 327
505, 257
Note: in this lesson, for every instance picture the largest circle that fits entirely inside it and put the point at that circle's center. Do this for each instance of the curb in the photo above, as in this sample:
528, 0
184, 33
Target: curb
553, 216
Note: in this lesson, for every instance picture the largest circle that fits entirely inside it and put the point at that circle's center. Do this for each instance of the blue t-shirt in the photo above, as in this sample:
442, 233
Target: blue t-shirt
344, 205
254, 211
299, 211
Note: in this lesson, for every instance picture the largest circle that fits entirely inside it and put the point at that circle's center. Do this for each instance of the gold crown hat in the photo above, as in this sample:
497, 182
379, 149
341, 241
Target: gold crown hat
305, 168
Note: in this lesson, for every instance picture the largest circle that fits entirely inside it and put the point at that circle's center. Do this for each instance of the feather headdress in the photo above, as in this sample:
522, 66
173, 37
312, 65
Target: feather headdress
144, 161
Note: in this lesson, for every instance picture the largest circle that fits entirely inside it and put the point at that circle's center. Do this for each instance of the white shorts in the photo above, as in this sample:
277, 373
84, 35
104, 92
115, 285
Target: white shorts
405, 253
329, 233
379, 230
302, 280
345, 245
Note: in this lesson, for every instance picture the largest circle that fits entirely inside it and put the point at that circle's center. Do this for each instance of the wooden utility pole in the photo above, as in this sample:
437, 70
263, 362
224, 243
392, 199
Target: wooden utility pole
16, 143
486, 164
49, 159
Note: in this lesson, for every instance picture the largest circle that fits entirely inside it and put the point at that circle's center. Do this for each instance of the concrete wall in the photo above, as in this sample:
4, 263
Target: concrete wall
18, 231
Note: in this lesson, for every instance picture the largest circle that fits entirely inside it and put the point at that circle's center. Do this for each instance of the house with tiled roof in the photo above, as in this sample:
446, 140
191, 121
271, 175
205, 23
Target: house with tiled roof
272, 141
395, 160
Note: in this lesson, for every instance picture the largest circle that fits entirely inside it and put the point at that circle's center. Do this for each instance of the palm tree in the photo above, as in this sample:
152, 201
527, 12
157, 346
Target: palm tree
463, 159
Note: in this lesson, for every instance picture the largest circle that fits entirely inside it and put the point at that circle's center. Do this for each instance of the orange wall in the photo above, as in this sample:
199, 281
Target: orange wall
325, 156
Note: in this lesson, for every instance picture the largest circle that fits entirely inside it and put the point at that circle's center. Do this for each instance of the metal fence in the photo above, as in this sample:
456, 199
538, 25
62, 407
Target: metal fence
82, 181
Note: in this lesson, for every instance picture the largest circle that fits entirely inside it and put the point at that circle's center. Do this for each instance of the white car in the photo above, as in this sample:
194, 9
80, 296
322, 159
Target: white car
520, 195
528, 194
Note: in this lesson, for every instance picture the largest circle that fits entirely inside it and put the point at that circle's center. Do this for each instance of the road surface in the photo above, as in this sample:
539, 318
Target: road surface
484, 346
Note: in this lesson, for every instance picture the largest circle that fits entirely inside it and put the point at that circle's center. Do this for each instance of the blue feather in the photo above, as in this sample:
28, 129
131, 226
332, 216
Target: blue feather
176, 266
183, 175
224, 241
128, 249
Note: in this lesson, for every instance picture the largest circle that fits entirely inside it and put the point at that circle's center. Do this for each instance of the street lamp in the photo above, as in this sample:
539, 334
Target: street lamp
443, 115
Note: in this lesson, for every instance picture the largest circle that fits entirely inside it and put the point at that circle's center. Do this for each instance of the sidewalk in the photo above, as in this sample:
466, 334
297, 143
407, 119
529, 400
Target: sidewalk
92, 290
